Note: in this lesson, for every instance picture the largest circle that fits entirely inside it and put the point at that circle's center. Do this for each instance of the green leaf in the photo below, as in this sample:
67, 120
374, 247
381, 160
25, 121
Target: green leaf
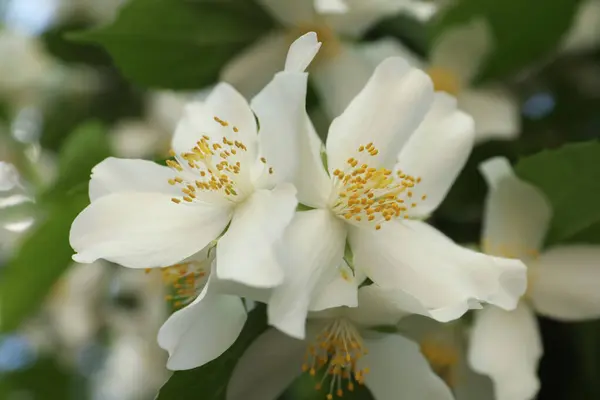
46, 379
40, 260
179, 44
83, 149
210, 381
570, 179
524, 31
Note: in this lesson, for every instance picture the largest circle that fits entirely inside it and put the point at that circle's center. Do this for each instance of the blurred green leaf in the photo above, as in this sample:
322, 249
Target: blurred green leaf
83, 149
46, 379
210, 381
179, 44
570, 179
524, 31
40, 260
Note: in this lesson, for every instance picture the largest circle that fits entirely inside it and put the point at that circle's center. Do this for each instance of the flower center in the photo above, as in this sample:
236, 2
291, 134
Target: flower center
443, 359
211, 166
372, 195
444, 80
334, 353
184, 281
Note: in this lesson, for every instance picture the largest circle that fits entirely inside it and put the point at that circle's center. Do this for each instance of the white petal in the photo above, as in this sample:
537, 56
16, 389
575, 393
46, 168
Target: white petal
516, 213
302, 52
290, 12
386, 112
229, 105
444, 277
246, 253
312, 181
507, 347
564, 283
379, 50
342, 290
331, 6
225, 103
203, 330
144, 230
312, 249
398, 367
462, 49
383, 306
255, 66
437, 152
584, 33
361, 15
340, 78
267, 367
495, 111
114, 175
281, 111
9, 177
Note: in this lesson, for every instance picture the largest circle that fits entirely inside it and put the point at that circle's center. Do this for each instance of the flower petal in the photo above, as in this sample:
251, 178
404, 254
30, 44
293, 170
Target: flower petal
302, 52
463, 49
516, 213
246, 253
437, 152
310, 262
281, 110
564, 283
331, 6
379, 50
9, 177
267, 368
225, 103
397, 366
114, 175
341, 290
444, 277
144, 230
383, 306
255, 66
495, 111
361, 15
203, 330
386, 112
340, 78
507, 347
584, 34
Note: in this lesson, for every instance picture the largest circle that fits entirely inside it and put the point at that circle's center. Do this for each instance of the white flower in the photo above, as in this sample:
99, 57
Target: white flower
340, 71
444, 347
9, 177
340, 352
563, 284
24, 66
585, 30
143, 215
391, 156
454, 62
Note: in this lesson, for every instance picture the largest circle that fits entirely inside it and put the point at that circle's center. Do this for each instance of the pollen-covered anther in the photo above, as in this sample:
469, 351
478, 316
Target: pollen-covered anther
215, 163
184, 282
370, 194
334, 355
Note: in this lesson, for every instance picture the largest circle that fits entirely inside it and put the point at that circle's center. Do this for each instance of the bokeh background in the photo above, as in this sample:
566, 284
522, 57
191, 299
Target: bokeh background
69, 99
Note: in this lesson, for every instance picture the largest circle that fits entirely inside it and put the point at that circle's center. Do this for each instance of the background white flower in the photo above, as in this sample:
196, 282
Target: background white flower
340, 352
563, 284
340, 71
391, 158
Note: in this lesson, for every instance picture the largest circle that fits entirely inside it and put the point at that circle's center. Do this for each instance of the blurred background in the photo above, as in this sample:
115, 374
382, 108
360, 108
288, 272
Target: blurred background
69, 99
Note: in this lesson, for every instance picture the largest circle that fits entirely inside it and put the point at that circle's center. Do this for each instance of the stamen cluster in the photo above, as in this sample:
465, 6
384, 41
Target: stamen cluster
372, 194
335, 354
